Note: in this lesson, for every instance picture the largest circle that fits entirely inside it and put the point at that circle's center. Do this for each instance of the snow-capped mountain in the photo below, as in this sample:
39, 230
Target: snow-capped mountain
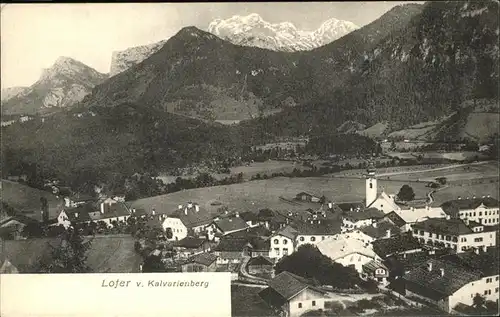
252, 30
249, 30
122, 60
62, 85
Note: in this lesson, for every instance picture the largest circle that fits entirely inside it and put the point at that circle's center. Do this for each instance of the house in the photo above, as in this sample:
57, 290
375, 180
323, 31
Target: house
401, 264
445, 283
399, 244
232, 250
202, 262
13, 226
283, 242
229, 225
260, 265
293, 295
457, 234
188, 217
352, 206
415, 215
191, 246
483, 210
380, 230
360, 218
315, 231
77, 200
110, 211
348, 252
304, 196
396, 220
377, 271
250, 218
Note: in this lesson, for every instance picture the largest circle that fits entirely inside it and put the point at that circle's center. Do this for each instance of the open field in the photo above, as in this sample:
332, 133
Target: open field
107, 254
478, 190
383, 172
255, 195
245, 301
267, 167
456, 156
26, 199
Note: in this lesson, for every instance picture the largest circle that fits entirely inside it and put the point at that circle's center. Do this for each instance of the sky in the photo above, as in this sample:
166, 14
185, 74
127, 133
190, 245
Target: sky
33, 36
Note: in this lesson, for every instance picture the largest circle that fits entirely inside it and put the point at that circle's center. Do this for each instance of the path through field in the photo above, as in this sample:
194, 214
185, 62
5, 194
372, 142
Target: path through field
433, 169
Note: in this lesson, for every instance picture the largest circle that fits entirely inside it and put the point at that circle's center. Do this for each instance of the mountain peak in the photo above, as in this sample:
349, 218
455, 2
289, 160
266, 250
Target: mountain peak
252, 30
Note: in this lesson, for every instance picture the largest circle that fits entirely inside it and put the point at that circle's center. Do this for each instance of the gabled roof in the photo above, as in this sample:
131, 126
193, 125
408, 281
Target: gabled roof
192, 218
388, 200
117, 209
79, 214
19, 218
350, 206
288, 285
343, 246
452, 207
189, 242
288, 231
395, 218
232, 245
412, 260
485, 262
260, 260
373, 265
432, 284
380, 231
231, 224
203, 258
249, 216
397, 244
420, 214
370, 213
452, 227
325, 227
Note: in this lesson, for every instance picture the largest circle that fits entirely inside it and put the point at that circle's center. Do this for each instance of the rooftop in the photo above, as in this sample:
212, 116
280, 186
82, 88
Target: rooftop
350, 206
189, 242
203, 258
339, 248
288, 231
452, 207
380, 231
419, 214
373, 265
485, 262
364, 214
287, 284
398, 244
192, 218
452, 227
230, 224
318, 227
432, 284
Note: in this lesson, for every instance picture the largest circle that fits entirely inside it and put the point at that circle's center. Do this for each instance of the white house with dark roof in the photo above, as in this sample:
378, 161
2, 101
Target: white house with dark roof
483, 210
293, 295
283, 242
445, 282
348, 252
360, 218
376, 271
456, 234
186, 217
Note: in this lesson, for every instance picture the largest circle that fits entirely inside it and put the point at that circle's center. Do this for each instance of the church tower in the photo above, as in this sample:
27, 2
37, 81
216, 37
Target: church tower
371, 185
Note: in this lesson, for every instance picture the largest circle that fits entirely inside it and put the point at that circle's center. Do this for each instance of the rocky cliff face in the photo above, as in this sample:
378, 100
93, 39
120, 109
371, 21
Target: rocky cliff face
8, 93
62, 85
122, 60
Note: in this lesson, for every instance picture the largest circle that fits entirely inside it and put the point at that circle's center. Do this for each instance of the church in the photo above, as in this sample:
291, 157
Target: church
383, 202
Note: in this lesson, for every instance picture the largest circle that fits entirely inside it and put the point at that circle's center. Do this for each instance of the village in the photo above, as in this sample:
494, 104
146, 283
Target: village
299, 261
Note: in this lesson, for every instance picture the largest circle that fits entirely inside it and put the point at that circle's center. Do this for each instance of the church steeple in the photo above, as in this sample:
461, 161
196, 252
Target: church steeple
371, 184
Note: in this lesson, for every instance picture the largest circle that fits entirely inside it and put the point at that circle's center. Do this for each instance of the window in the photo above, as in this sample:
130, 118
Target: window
277, 250
415, 231
421, 232
359, 259
301, 238
478, 239
352, 258
371, 185
323, 238
381, 206
489, 280
276, 241
496, 290
314, 303
285, 251
496, 278
463, 240
313, 239
480, 213
300, 305
285, 241
487, 292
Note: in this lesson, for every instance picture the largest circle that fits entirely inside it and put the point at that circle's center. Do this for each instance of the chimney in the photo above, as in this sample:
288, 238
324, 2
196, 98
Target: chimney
476, 250
466, 220
102, 208
319, 221
351, 208
140, 268
330, 205
374, 225
448, 217
441, 270
76, 215
133, 211
180, 207
483, 196
473, 197
429, 266
459, 198
388, 233
404, 255
431, 252
190, 205
197, 207
237, 214
488, 196
185, 211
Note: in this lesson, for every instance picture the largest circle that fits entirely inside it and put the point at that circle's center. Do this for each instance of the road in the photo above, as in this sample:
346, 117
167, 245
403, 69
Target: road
433, 169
